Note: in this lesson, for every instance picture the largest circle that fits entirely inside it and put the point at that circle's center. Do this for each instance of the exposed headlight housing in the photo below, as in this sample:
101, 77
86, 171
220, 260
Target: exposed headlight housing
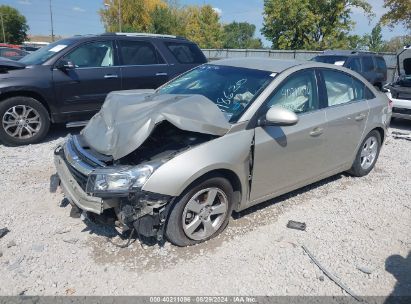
118, 180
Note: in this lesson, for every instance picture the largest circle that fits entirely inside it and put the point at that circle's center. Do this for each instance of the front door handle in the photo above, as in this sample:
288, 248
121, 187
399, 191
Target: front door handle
360, 117
161, 74
317, 132
110, 76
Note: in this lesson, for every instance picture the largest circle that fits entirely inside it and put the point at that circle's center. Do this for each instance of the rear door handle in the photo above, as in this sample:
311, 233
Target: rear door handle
109, 76
360, 117
161, 74
317, 132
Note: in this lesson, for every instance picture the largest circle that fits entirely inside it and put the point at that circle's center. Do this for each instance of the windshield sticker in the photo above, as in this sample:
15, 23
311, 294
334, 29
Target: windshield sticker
273, 74
340, 63
57, 48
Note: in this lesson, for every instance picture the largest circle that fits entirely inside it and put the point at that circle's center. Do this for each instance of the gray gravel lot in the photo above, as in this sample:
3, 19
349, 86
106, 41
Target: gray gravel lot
358, 228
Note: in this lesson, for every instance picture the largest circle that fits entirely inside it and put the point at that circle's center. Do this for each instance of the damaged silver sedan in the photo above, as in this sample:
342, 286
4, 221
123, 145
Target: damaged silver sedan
176, 162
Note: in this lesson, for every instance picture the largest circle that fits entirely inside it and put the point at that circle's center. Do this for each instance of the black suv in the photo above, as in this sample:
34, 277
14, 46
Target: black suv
369, 65
68, 80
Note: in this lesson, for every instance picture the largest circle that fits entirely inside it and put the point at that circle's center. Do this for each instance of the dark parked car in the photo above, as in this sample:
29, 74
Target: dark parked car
67, 81
369, 65
12, 53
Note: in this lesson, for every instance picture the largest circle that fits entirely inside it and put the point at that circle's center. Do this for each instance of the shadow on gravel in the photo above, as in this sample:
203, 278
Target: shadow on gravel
279, 199
58, 131
400, 268
401, 124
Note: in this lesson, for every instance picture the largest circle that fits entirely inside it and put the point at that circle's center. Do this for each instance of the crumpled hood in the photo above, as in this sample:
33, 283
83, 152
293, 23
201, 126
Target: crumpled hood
9, 64
127, 119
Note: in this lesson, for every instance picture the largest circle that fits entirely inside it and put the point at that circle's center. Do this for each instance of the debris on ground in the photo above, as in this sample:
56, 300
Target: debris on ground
330, 275
10, 244
71, 241
365, 269
401, 135
3, 232
296, 225
62, 231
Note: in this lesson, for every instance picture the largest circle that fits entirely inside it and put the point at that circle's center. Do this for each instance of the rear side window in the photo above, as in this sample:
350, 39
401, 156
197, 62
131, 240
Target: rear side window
367, 64
381, 63
138, 53
186, 52
342, 88
354, 64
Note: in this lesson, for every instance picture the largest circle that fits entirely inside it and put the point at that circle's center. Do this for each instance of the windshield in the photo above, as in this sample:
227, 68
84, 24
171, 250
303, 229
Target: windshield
232, 89
46, 52
337, 60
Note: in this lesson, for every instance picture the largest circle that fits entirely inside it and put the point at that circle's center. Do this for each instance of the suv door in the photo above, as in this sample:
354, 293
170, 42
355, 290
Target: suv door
286, 156
84, 87
142, 66
347, 113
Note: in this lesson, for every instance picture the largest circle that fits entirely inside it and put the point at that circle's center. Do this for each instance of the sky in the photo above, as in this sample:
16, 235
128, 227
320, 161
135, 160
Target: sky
73, 17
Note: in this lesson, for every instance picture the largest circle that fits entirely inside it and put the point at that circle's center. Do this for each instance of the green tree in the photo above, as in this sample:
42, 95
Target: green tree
168, 20
15, 25
374, 41
240, 35
396, 43
135, 14
310, 24
399, 12
203, 26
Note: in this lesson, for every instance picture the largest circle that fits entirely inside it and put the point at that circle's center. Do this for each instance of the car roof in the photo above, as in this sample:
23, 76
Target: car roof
131, 35
348, 53
259, 63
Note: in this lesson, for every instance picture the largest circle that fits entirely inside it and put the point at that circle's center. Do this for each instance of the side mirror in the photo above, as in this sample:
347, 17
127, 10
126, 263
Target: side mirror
65, 65
278, 116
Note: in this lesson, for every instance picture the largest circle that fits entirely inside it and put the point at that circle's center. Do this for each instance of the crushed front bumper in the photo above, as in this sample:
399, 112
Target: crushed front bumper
75, 194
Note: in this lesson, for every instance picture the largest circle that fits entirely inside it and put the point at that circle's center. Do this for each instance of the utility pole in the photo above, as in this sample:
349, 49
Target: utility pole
2, 26
51, 22
119, 15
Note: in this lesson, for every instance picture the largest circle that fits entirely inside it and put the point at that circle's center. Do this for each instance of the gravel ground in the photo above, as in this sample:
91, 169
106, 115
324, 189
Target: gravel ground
358, 228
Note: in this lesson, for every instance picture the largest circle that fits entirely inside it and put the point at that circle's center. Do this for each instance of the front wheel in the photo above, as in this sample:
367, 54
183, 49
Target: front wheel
201, 213
24, 120
367, 155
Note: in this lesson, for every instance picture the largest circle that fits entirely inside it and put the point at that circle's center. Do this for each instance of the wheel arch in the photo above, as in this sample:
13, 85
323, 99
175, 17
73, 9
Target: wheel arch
30, 94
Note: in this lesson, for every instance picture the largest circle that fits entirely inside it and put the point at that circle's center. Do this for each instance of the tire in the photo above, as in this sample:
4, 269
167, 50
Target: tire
366, 157
33, 128
177, 232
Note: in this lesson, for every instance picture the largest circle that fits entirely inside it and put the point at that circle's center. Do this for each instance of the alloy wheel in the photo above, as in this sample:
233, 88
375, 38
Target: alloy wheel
21, 121
204, 213
369, 152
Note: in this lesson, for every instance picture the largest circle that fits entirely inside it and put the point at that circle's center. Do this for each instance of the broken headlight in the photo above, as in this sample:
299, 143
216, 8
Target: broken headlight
118, 180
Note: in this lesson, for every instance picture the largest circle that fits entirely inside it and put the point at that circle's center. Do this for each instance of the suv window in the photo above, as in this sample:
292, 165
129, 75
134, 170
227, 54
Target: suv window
342, 88
185, 52
354, 64
298, 93
94, 54
381, 63
138, 53
367, 64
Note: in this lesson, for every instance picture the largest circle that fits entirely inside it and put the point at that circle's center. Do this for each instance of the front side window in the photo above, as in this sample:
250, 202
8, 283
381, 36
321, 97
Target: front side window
297, 94
95, 54
137, 53
232, 89
368, 64
342, 88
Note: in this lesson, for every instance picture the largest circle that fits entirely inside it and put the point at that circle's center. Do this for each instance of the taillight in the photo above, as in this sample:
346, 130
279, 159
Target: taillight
390, 103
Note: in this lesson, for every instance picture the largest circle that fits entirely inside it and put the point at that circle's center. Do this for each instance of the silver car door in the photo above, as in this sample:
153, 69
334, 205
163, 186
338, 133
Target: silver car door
285, 156
347, 114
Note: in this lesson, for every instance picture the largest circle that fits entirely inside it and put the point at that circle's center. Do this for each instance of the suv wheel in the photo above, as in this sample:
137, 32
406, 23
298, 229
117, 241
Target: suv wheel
201, 213
367, 155
24, 120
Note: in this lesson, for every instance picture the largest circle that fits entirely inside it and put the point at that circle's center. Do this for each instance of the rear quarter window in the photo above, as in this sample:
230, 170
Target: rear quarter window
186, 52
367, 64
381, 63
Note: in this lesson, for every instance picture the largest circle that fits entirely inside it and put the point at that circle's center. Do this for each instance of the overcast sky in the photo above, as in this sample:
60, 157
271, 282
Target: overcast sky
80, 16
